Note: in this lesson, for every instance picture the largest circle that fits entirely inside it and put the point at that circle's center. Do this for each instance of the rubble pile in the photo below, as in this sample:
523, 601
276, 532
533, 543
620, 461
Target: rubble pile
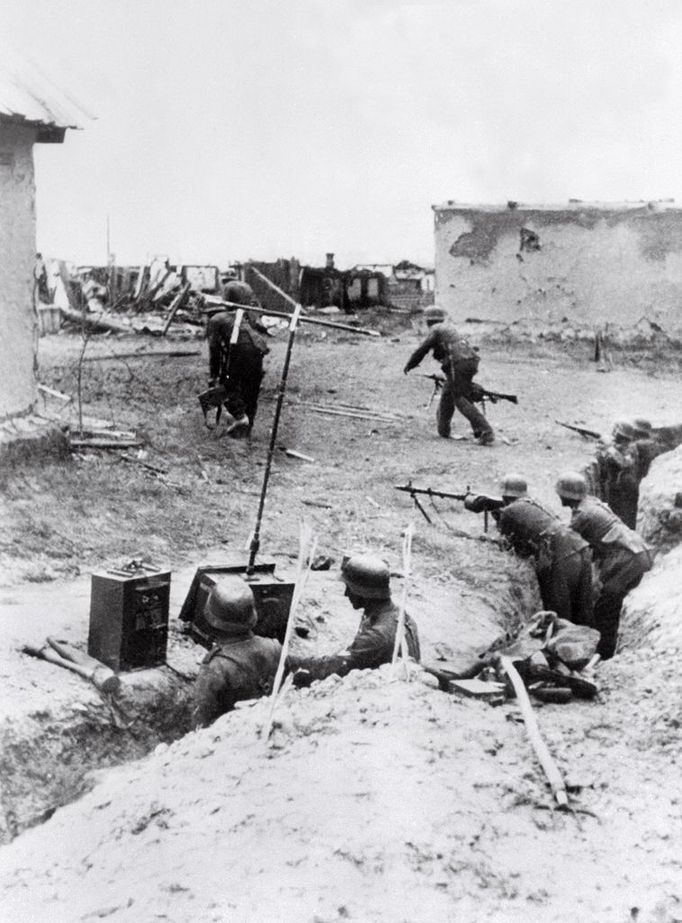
645, 333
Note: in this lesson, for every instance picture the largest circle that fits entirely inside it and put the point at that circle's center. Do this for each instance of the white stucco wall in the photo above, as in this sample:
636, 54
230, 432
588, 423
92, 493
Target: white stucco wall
594, 265
17, 255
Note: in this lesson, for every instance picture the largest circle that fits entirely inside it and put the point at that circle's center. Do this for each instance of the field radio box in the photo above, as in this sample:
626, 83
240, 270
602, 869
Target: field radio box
272, 596
129, 616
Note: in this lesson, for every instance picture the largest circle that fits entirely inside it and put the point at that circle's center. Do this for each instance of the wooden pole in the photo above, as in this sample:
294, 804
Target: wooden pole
550, 768
175, 304
363, 331
306, 554
308, 320
400, 629
255, 540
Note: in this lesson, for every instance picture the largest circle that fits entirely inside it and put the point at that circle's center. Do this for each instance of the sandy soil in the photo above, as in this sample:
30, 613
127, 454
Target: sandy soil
377, 799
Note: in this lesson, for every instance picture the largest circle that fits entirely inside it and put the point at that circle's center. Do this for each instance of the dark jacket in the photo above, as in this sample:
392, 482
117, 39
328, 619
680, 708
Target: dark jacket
219, 330
448, 348
236, 669
619, 552
533, 530
372, 646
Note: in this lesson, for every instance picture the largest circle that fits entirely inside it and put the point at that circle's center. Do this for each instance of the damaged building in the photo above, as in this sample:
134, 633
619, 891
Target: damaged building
31, 112
592, 263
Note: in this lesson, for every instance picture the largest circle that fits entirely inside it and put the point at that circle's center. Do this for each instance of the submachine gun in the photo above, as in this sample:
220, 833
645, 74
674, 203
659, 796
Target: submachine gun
475, 503
478, 394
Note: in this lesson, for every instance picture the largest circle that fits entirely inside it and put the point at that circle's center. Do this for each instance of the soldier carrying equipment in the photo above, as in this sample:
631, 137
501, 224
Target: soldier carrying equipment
459, 362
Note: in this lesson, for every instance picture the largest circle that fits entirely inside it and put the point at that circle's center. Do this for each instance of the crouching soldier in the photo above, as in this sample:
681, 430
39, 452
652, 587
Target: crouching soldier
240, 665
621, 555
459, 362
562, 559
367, 580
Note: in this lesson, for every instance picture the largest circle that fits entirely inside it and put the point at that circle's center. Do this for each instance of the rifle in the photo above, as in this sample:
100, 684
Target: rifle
478, 394
585, 433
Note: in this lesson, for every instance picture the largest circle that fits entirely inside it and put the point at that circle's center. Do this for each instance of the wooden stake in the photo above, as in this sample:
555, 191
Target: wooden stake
400, 644
306, 554
550, 768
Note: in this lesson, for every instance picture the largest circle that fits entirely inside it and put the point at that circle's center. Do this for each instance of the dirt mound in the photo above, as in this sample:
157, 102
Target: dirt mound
376, 799
651, 613
659, 516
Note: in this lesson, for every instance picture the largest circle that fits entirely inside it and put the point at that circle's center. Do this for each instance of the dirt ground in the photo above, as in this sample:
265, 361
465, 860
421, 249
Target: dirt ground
377, 799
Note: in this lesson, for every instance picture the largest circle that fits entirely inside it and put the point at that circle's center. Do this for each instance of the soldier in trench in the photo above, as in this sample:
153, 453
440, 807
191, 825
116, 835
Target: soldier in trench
459, 362
240, 665
562, 559
367, 581
621, 555
613, 476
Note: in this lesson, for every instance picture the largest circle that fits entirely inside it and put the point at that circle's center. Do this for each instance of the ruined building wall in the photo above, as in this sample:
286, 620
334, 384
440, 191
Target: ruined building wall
17, 256
593, 266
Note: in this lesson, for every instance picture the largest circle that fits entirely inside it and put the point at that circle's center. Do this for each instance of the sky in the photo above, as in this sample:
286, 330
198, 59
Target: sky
256, 129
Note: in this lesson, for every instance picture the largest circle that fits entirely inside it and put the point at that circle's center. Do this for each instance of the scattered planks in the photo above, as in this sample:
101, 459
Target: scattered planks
550, 768
349, 410
104, 439
161, 353
95, 322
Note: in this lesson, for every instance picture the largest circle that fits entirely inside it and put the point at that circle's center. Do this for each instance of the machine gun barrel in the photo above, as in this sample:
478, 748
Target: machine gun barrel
429, 492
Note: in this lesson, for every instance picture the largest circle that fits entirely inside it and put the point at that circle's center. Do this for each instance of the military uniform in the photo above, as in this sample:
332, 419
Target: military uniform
235, 669
612, 476
622, 558
243, 373
372, 646
459, 361
562, 558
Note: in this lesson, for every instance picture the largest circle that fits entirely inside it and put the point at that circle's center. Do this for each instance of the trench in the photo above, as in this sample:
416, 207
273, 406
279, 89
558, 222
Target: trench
51, 755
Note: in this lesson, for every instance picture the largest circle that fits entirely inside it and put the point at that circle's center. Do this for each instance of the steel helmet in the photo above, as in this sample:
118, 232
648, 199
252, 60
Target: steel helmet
642, 428
231, 606
571, 485
623, 430
366, 575
513, 485
434, 315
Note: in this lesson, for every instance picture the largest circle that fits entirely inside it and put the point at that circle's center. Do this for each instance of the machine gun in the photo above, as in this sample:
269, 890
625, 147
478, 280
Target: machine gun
427, 491
475, 503
586, 433
478, 394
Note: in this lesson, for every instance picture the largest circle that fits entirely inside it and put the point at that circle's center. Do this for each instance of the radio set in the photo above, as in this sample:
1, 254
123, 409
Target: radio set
272, 596
129, 616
